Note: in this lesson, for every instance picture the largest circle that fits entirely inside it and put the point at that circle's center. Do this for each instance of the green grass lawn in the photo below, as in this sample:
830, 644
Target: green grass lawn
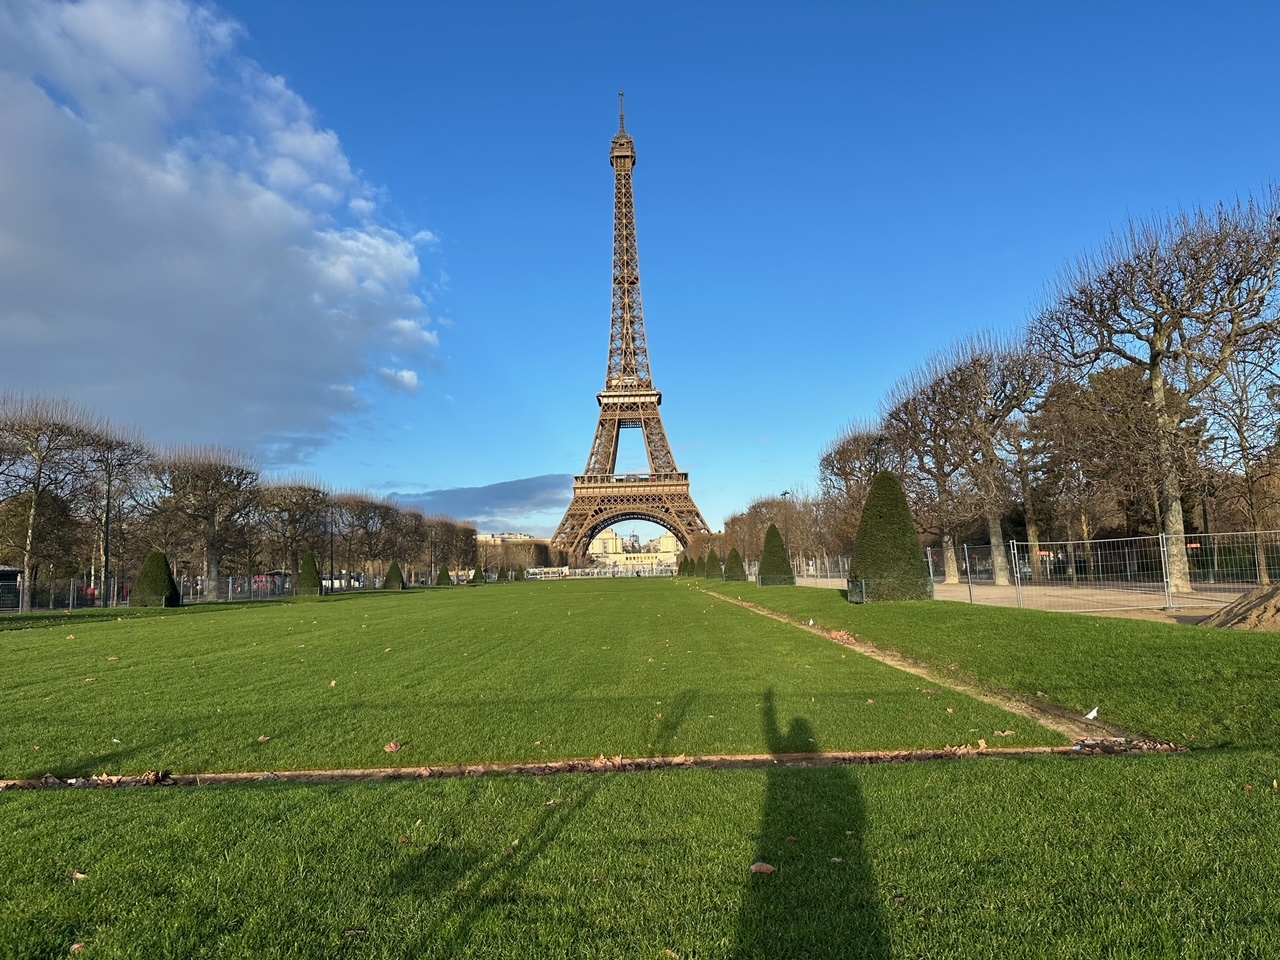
1160, 856
515, 673
1197, 686
1153, 856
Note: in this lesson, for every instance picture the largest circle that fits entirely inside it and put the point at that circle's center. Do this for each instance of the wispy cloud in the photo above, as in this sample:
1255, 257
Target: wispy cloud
205, 279
530, 505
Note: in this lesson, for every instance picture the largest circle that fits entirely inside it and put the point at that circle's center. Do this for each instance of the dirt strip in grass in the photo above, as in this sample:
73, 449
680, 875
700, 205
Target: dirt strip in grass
1108, 746
1049, 715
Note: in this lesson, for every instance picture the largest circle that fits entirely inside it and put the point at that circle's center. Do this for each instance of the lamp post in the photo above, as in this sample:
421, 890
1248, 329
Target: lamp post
786, 527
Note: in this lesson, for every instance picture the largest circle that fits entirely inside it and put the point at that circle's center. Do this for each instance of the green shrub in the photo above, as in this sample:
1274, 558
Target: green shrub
443, 578
520, 573
308, 577
478, 575
155, 586
888, 562
700, 567
394, 580
713, 571
733, 568
775, 566
502, 574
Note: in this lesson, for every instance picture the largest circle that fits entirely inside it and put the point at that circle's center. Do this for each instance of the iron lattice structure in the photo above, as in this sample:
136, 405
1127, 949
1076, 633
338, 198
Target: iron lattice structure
601, 495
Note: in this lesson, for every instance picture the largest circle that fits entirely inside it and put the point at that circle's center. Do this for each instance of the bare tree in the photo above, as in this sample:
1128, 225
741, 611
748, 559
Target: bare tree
1175, 298
845, 471
45, 438
927, 433
213, 489
294, 514
115, 459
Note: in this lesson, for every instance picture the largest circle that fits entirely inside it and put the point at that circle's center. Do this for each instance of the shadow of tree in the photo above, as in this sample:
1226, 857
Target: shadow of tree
822, 900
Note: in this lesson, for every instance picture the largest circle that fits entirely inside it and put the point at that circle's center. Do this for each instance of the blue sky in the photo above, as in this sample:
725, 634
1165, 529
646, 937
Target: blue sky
370, 241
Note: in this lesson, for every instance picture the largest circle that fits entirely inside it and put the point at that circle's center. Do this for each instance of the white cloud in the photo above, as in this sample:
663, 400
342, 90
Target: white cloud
201, 281
406, 380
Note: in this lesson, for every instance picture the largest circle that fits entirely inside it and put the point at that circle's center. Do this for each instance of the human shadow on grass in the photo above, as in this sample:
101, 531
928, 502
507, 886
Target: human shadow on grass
821, 901
461, 885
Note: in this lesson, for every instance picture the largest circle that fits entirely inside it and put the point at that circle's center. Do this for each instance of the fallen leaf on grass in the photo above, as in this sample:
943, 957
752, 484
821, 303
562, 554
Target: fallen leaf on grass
333, 683
791, 839
982, 744
1275, 784
1003, 733
837, 860
761, 867
76, 949
353, 933
392, 747
113, 658
1248, 788
71, 636
90, 679
404, 839
951, 709
870, 701
76, 876
263, 739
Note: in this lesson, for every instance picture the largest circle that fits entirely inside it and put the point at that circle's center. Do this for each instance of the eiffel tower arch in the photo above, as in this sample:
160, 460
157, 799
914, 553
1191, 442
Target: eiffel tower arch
629, 401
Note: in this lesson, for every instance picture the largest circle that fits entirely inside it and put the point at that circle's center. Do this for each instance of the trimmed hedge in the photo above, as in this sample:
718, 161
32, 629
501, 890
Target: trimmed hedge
733, 568
155, 586
775, 567
308, 577
888, 562
713, 571
478, 575
394, 580
443, 579
700, 567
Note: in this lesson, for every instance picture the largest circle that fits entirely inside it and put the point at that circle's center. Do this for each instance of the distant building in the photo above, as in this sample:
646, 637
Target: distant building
503, 537
614, 548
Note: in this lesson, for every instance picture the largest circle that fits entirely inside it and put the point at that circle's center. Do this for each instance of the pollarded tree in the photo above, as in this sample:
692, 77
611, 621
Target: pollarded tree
775, 567
888, 562
713, 571
214, 490
733, 569
43, 441
1178, 299
295, 514
394, 580
155, 586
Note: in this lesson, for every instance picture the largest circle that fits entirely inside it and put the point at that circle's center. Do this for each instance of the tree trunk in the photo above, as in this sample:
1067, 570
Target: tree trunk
999, 559
949, 565
1172, 523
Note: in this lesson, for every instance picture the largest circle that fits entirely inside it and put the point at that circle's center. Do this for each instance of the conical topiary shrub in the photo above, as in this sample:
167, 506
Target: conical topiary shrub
308, 577
443, 578
502, 574
713, 571
155, 586
520, 573
775, 567
394, 580
478, 575
733, 568
700, 567
888, 562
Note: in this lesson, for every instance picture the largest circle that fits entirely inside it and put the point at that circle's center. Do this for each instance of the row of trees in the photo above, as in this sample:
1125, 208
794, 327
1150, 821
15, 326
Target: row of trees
80, 497
1145, 391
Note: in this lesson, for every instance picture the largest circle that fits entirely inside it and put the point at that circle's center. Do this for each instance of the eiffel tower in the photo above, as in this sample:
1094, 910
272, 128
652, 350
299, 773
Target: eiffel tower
601, 496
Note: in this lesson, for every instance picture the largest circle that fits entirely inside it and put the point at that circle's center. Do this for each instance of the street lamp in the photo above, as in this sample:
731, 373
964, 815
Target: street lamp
786, 527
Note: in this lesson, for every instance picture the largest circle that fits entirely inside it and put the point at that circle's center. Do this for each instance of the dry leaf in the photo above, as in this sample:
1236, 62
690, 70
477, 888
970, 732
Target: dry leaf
404, 839
982, 744
951, 709
870, 701
77, 948
1275, 784
791, 839
392, 747
333, 683
1248, 788
90, 679
263, 739
77, 875
71, 636
761, 867
837, 860
353, 933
